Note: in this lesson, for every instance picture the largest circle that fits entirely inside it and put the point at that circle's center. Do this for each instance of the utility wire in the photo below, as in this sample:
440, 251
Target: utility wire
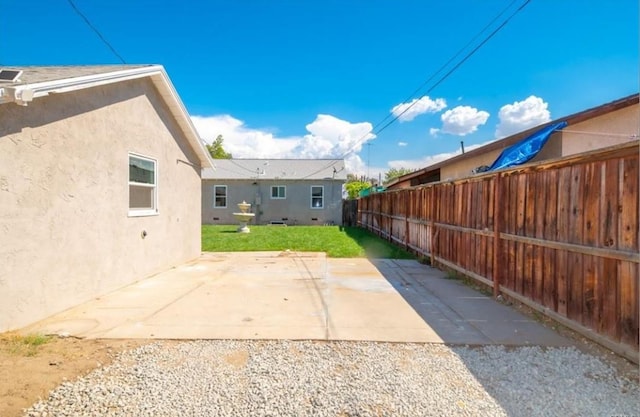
443, 66
243, 167
97, 32
444, 77
455, 67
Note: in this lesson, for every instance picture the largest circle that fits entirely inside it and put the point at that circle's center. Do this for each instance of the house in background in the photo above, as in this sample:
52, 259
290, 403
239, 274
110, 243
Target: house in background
100, 179
280, 191
600, 127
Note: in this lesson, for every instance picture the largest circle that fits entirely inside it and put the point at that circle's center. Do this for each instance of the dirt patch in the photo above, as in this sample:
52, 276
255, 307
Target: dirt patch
237, 359
30, 367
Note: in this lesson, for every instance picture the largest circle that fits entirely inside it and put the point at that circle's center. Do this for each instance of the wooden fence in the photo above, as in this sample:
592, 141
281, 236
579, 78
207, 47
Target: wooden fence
561, 237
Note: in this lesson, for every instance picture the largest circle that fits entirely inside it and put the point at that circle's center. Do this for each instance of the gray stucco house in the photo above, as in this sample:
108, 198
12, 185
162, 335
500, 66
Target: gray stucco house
100, 180
280, 191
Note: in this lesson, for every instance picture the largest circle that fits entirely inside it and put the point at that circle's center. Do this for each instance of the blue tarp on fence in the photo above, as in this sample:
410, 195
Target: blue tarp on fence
526, 149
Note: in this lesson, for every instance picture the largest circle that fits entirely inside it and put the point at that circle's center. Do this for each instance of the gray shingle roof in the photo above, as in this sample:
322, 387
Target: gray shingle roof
33, 74
283, 169
36, 82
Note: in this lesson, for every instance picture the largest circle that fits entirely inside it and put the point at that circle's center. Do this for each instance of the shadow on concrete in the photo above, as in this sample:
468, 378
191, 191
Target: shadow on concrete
460, 314
464, 317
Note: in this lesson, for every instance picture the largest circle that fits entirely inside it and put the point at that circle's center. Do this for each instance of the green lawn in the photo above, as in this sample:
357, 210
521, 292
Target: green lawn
337, 242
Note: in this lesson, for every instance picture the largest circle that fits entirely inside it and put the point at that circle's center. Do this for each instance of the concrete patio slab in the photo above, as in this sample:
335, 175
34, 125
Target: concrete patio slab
300, 296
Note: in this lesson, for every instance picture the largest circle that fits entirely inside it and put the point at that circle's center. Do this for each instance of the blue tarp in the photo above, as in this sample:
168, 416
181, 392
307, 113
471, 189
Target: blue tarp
526, 149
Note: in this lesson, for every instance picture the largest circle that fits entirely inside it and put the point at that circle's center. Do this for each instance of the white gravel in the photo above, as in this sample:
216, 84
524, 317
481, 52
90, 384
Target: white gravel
285, 378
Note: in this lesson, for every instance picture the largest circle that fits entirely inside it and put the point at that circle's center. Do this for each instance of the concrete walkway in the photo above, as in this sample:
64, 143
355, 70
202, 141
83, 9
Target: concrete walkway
288, 295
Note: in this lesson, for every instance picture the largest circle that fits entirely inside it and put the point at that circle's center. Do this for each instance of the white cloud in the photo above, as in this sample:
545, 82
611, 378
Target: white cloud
522, 115
402, 143
433, 131
463, 120
242, 141
328, 137
417, 107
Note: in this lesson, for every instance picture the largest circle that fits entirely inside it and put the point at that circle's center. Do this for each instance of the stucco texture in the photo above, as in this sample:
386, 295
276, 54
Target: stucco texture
598, 132
608, 129
65, 231
295, 208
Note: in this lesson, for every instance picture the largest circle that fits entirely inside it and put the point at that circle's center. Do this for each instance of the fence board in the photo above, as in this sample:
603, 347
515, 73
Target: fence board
510, 221
575, 260
562, 236
529, 230
592, 191
607, 323
550, 225
496, 248
628, 318
628, 229
604, 320
539, 190
521, 192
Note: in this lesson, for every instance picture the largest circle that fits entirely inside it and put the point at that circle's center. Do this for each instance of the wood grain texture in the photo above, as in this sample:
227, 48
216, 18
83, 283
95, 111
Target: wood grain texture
564, 235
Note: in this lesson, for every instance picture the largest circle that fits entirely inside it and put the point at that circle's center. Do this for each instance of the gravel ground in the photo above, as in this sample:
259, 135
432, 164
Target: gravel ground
285, 378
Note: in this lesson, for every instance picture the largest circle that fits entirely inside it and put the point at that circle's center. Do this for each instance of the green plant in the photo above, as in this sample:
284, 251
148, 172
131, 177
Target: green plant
35, 339
26, 345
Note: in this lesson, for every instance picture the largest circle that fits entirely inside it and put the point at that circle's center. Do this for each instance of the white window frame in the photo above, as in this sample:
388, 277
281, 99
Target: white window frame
133, 212
226, 196
321, 205
284, 192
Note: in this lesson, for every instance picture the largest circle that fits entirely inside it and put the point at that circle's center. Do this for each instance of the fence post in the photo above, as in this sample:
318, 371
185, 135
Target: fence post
496, 234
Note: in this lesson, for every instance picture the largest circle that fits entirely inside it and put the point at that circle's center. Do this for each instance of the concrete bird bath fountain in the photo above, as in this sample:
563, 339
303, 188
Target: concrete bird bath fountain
244, 217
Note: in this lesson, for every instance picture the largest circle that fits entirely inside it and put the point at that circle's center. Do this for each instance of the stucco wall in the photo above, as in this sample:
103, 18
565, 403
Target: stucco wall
599, 132
464, 167
296, 207
65, 232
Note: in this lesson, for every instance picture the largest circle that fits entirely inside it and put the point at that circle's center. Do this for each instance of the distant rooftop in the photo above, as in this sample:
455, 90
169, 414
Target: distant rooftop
276, 169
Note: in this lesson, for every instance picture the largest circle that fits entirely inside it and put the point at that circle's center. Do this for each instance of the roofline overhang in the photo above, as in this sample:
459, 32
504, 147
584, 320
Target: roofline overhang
23, 94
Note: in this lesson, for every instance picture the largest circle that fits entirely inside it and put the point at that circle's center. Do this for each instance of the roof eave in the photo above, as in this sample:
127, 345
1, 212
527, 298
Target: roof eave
25, 93
509, 140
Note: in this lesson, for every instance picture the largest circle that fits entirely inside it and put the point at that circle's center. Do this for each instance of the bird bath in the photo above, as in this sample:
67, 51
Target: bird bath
244, 217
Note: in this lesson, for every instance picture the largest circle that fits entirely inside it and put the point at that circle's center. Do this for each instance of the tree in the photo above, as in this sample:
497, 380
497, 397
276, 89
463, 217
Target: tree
353, 188
395, 173
217, 151
354, 185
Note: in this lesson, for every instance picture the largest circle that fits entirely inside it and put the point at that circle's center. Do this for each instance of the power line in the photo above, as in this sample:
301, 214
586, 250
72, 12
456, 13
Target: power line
444, 77
443, 66
455, 67
97, 32
243, 167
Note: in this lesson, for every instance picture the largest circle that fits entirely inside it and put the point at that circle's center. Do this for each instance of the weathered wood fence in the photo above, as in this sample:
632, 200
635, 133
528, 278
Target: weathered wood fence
350, 212
561, 237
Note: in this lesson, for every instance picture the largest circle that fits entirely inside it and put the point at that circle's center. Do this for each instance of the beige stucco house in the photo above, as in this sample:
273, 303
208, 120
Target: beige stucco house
100, 179
607, 125
280, 191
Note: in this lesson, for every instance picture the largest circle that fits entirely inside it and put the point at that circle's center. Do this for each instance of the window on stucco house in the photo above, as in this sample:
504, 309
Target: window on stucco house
219, 196
317, 196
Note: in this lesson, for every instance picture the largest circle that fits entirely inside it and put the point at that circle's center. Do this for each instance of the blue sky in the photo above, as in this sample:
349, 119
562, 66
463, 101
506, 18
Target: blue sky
310, 78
